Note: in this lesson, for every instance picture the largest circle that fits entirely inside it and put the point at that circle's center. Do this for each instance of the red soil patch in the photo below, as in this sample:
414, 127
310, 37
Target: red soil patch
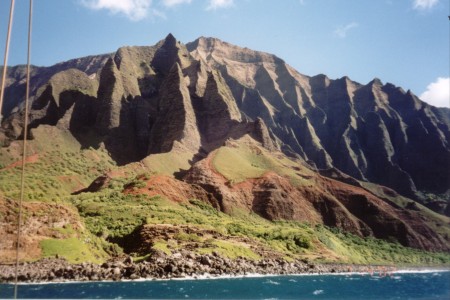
168, 187
250, 183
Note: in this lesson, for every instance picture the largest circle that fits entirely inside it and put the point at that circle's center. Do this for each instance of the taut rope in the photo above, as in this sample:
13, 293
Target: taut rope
24, 149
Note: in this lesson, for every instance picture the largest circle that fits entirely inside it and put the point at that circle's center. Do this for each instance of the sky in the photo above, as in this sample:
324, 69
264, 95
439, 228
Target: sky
404, 42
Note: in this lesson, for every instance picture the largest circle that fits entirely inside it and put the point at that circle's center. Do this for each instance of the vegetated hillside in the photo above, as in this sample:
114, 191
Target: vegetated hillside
149, 155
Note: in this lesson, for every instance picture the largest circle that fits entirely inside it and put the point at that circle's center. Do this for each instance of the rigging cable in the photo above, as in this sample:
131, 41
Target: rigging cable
24, 149
5, 59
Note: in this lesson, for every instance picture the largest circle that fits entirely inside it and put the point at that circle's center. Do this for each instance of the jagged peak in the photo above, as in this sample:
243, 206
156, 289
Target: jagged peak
410, 93
418, 104
319, 79
320, 76
170, 37
390, 87
169, 42
346, 81
170, 51
375, 81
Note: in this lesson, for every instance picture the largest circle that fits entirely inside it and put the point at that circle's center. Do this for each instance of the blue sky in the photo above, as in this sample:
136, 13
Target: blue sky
405, 42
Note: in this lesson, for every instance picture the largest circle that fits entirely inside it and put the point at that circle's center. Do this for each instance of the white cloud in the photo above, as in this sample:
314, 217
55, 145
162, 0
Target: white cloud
438, 93
424, 4
216, 4
158, 13
171, 3
133, 9
137, 10
341, 31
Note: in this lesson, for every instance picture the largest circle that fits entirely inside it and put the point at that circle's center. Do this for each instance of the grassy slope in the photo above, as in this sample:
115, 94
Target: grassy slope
242, 161
168, 163
57, 169
75, 249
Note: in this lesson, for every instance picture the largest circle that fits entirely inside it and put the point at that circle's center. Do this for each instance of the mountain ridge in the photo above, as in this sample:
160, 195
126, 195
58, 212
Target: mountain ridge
331, 114
242, 131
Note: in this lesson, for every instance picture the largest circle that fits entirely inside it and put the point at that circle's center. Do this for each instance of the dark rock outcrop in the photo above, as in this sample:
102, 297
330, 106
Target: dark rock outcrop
16, 75
96, 185
170, 52
176, 118
110, 97
220, 112
67, 101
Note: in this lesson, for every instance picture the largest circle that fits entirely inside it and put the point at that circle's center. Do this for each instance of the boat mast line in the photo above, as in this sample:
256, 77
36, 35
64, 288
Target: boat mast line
24, 148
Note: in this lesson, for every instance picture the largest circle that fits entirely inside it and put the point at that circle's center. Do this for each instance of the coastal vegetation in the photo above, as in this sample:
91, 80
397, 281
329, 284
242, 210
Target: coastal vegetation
115, 215
117, 211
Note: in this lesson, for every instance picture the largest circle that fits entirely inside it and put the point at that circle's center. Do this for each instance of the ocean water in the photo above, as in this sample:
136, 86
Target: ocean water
400, 285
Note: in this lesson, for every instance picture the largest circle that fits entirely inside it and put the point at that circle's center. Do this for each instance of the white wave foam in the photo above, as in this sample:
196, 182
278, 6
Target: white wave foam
272, 282
207, 276
407, 271
318, 292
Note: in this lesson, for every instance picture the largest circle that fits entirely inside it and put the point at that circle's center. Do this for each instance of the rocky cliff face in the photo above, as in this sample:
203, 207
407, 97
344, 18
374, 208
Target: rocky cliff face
16, 75
146, 100
375, 132
197, 97
176, 119
308, 197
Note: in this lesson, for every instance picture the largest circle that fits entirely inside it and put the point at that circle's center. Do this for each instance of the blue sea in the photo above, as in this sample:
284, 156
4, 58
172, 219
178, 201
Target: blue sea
401, 285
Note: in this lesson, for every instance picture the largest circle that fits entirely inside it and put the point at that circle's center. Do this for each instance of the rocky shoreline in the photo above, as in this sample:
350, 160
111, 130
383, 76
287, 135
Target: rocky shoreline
178, 265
